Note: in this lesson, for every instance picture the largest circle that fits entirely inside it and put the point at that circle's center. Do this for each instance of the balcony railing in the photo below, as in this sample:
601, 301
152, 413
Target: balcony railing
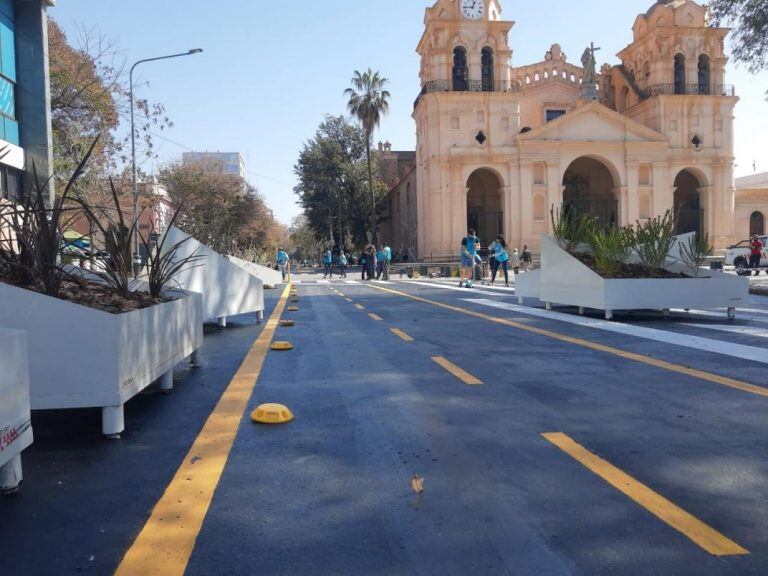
688, 90
467, 86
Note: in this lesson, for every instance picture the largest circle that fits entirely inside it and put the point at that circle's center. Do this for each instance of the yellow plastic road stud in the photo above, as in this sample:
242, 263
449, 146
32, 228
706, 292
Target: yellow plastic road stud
292, 309
287, 323
272, 414
281, 346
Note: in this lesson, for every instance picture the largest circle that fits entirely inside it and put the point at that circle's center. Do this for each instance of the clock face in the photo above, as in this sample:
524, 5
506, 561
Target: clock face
472, 9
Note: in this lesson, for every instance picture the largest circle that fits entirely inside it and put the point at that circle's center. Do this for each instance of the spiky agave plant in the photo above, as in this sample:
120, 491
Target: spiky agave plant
165, 263
611, 247
654, 239
695, 252
573, 231
116, 268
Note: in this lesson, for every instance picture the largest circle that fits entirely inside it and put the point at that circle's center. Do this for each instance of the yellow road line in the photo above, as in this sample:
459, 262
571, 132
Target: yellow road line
706, 537
349, 300
359, 306
465, 377
700, 374
375, 317
164, 545
340, 294
400, 334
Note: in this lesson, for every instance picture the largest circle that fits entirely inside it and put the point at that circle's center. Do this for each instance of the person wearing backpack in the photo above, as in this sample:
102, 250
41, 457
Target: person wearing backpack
500, 259
328, 264
514, 262
469, 246
526, 258
342, 264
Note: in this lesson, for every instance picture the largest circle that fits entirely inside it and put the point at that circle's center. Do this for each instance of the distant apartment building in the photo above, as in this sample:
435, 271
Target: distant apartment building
25, 101
227, 162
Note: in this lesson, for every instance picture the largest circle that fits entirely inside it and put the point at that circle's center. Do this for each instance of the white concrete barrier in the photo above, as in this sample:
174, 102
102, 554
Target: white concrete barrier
269, 276
86, 358
227, 289
15, 424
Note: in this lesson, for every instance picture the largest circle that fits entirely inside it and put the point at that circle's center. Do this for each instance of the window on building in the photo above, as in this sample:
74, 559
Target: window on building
460, 70
9, 127
704, 83
645, 207
554, 114
486, 61
539, 207
679, 74
756, 224
539, 173
645, 175
624, 100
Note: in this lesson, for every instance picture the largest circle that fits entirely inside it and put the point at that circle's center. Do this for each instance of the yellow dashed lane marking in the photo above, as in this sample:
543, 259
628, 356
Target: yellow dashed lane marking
706, 537
400, 334
375, 317
462, 375
700, 374
164, 545
359, 306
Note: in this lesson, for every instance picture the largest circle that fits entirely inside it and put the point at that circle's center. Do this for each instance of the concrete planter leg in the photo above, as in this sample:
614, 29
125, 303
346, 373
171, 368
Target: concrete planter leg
166, 382
112, 421
223, 322
261, 316
548, 306
521, 300
609, 314
11, 476
731, 313
194, 359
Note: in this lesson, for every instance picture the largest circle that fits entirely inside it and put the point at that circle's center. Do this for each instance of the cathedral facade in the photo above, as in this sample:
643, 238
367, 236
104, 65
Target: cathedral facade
498, 146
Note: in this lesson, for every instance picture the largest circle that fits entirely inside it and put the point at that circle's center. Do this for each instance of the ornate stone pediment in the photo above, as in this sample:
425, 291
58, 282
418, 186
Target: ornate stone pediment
594, 122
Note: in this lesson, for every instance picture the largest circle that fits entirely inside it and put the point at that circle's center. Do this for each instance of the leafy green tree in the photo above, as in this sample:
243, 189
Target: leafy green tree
749, 19
368, 102
333, 179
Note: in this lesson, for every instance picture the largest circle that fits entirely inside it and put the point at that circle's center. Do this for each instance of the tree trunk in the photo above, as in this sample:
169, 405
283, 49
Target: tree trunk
373, 198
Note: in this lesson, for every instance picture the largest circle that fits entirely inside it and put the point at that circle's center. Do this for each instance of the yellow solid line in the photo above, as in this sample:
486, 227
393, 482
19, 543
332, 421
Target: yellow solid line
465, 377
164, 545
402, 335
359, 307
700, 374
708, 538
375, 317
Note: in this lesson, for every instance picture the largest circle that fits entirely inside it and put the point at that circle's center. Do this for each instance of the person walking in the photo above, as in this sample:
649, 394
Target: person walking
380, 261
387, 261
756, 254
342, 264
492, 258
514, 261
282, 261
370, 259
526, 259
363, 263
499, 259
469, 246
328, 264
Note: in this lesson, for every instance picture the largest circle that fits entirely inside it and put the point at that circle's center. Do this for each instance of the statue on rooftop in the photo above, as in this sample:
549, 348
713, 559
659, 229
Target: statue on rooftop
589, 78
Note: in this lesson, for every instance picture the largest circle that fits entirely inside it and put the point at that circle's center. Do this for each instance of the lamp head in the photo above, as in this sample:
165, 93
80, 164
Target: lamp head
195, 51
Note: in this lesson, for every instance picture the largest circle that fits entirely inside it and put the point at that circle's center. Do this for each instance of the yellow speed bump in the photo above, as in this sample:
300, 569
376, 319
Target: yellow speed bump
271, 414
281, 346
287, 323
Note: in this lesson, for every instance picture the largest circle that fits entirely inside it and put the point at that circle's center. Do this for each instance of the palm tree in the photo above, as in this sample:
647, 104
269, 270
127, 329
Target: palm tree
368, 102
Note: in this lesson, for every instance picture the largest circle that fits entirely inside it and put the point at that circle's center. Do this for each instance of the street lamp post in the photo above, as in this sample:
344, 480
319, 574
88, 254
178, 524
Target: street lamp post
137, 254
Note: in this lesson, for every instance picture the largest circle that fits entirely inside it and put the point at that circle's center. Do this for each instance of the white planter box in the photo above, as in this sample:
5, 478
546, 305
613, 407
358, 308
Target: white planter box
528, 285
15, 426
267, 275
85, 358
227, 289
565, 280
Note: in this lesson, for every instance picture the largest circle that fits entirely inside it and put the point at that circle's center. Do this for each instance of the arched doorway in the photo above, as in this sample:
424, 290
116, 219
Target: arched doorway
756, 224
485, 209
589, 189
688, 206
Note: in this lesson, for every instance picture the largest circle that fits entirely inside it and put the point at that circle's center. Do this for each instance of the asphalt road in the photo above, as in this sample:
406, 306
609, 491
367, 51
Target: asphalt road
330, 493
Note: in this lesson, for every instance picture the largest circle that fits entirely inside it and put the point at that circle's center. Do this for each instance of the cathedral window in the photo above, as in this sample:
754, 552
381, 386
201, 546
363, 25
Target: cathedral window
487, 69
624, 101
679, 74
554, 114
460, 70
704, 84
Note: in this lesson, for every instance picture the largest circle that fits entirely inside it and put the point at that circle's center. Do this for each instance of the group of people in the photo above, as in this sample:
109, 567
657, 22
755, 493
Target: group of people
375, 263
499, 258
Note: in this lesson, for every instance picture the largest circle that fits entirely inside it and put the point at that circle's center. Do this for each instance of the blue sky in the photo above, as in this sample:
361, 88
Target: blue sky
272, 69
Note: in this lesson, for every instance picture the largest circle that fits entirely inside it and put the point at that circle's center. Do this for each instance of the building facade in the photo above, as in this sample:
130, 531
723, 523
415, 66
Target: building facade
25, 99
227, 162
751, 206
498, 146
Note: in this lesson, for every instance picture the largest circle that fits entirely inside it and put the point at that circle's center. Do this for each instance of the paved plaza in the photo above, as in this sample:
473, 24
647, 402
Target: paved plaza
548, 444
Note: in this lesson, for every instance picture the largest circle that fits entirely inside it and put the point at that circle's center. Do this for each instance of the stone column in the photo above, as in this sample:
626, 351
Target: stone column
555, 191
621, 192
526, 200
663, 192
633, 194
